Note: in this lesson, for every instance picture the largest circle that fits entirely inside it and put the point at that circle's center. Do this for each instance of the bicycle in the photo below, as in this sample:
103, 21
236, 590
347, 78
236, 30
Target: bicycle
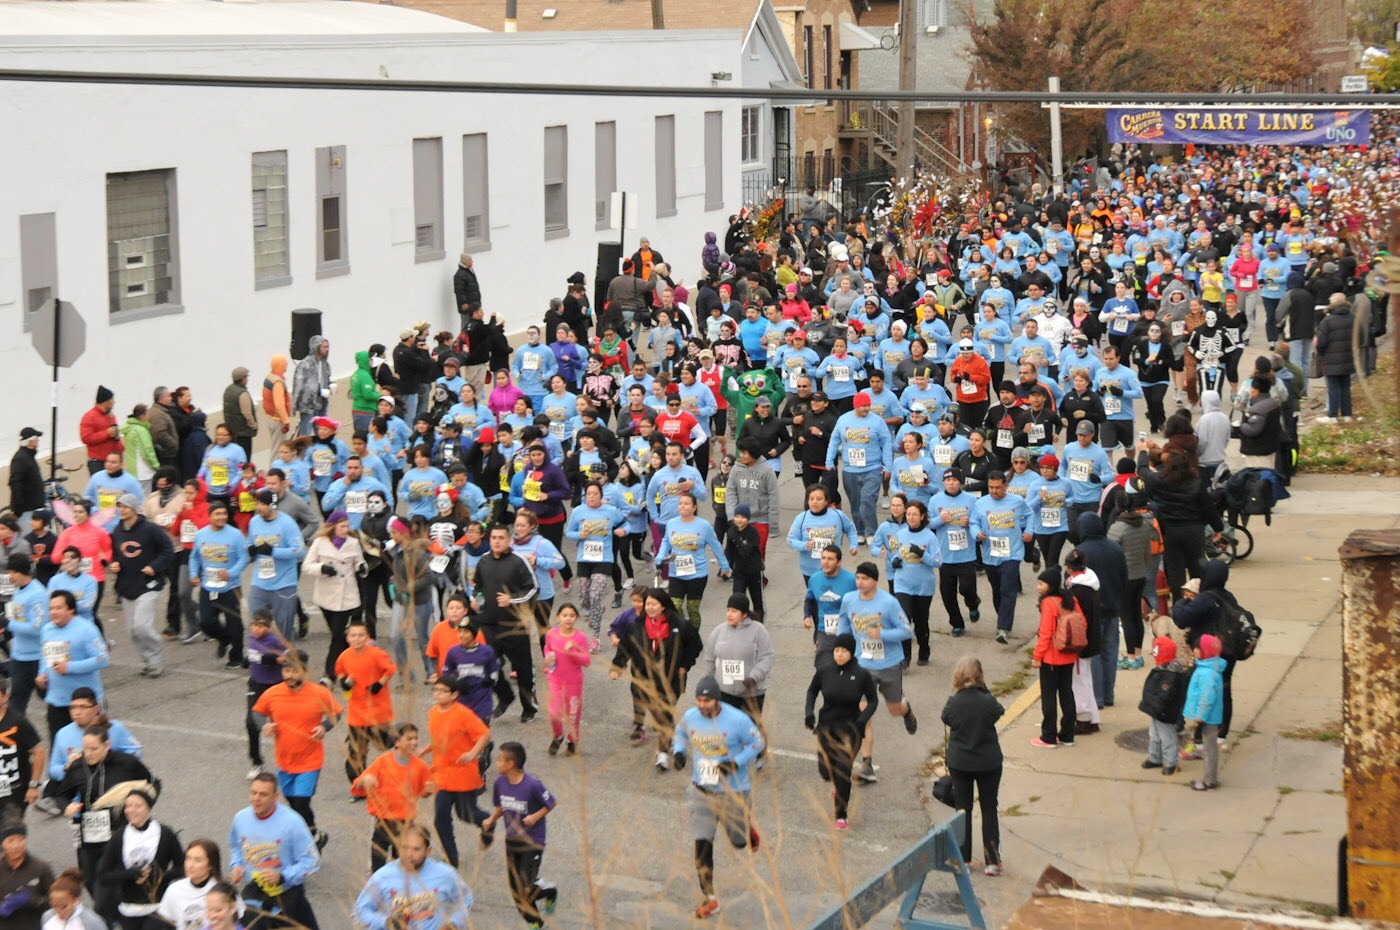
1236, 543
59, 499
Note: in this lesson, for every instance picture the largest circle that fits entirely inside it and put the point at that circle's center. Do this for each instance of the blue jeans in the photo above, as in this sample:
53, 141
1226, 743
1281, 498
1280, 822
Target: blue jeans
1300, 353
1270, 329
283, 604
1339, 395
410, 408
1005, 580
862, 496
1104, 666
361, 421
304, 427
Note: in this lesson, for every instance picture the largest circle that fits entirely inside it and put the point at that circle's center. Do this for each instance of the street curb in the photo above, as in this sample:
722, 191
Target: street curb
1025, 702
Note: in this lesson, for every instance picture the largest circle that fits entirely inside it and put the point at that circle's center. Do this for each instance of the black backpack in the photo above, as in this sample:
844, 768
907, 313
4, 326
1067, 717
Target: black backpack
1239, 633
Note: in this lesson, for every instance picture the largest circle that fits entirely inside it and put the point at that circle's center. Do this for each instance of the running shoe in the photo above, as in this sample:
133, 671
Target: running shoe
678, 761
707, 909
639, 735
974, 614
627, 585
866, 772
500, 710
554, 745
488, 836
663, 762
49, 806
911, 723
322, 838
194, 637
1039, 743
528, 714
993, 869
571, 748
841, 823
1002, 637
959, 631
1190, 753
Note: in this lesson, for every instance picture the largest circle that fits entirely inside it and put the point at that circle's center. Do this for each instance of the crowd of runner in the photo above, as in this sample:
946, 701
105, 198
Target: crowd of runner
1047, 386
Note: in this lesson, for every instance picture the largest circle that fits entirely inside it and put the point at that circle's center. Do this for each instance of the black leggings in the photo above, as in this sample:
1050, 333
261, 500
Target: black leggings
337, 620
1050, 545
554, 532
624, 551
1057, 683
523, 872
953, 578
1154, 394
303, 807
916, 607
1132, 615
836, 757
1184, 548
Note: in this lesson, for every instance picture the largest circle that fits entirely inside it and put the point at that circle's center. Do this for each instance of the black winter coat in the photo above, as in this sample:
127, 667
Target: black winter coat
771, 435
1334, 342
971, 716
660, 665
841, 688
26, 481
467, 289
1106, 558
1164, 693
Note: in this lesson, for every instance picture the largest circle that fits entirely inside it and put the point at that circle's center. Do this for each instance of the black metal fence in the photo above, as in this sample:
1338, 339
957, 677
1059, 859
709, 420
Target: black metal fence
847, 191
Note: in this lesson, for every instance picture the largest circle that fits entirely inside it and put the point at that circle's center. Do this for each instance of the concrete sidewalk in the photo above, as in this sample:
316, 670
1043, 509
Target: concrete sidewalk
1269, 835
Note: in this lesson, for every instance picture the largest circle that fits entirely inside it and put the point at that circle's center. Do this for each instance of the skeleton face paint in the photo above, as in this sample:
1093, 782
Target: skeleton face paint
1211, 317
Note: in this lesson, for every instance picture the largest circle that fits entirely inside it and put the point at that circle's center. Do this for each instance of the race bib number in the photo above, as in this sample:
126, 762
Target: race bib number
438, 563
532, 490
1053, 246
629, 497
85, 566
1112, 404
855, 456
106, 498
684, 565
967, 387
216, 577
187, 531
731, 671
1037, 433
592, 551
1120, 324
54, 651
1001, 547
7, 587
872, 649
1005, 439
841, 372
957, 538
831, 623
322, 461
356, 501
1245, 282
1178, 327
1295, 248
1080, 469
218, 476
267, 567
97, 826
556, 429
943, 455
531, 362
721, 492
13, 612
1050, 517
165, 520
706, 772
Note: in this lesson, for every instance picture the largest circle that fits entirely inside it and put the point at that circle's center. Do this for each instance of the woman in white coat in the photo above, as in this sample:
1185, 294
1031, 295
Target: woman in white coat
336, 561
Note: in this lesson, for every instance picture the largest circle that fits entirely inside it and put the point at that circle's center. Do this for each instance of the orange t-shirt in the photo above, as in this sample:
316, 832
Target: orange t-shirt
400, 786
443, 637
364, 669
453, 732
296, 714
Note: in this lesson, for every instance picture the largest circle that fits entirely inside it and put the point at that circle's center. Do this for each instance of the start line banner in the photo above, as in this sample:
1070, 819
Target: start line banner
1208, 126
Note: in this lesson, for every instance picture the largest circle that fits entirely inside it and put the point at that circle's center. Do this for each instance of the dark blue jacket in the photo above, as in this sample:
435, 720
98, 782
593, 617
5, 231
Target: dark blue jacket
1106, 558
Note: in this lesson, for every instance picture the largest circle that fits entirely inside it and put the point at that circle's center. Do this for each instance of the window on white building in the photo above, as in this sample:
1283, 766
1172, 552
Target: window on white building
476, 197
427, 200
271, 245
556, 181
332, 234
142, 261
604, 170
665, 166
933, 13
750, 130
714, 160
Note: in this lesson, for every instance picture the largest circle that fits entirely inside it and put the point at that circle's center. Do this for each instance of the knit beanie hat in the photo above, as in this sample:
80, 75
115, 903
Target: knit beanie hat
1164, 650
1209, 646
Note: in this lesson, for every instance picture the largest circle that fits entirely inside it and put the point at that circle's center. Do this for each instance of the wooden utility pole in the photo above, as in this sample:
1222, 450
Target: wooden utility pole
908, 70
658, 14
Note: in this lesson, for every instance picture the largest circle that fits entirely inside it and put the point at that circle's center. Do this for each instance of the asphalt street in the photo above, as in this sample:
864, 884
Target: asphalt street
618, 845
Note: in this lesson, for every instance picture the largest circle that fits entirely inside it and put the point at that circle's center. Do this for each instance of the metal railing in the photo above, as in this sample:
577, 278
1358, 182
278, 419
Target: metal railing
882, 120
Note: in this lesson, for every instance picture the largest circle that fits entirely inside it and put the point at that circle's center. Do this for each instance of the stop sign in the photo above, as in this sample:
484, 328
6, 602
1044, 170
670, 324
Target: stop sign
59, 331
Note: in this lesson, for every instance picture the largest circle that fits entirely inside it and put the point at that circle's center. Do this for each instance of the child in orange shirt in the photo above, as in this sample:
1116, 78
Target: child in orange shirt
393, 784
444, 636
363, 671
457, 741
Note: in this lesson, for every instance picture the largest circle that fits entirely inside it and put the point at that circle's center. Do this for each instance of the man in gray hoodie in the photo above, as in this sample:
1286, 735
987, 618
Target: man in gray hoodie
739, 654
752, 482
1212, 435
311, 384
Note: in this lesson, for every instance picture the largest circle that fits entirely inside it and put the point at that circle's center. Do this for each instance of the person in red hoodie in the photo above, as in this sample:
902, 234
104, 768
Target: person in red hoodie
245, 494
95, 546
98, 431
1056, 667
193, 518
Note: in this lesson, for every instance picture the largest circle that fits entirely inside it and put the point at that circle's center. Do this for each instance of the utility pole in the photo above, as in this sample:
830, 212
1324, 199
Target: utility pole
658, 14
908, 68
1057, 155
510, 16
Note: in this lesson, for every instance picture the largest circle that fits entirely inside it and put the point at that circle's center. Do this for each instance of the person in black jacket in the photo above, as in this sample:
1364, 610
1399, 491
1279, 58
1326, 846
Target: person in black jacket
466, 288
1184, 508
100, 769
508, 588
413, 366
141, 557
842, 685
138, 864
1153, 360
814, 435
1203, 614
1334, 346
26, 479
661, 648
1108, 562
974, 757
768, 431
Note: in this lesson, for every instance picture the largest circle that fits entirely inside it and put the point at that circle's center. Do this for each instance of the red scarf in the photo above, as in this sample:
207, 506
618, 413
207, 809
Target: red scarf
657, 630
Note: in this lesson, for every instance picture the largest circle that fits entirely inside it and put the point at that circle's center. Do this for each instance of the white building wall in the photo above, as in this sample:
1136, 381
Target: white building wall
59, 141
